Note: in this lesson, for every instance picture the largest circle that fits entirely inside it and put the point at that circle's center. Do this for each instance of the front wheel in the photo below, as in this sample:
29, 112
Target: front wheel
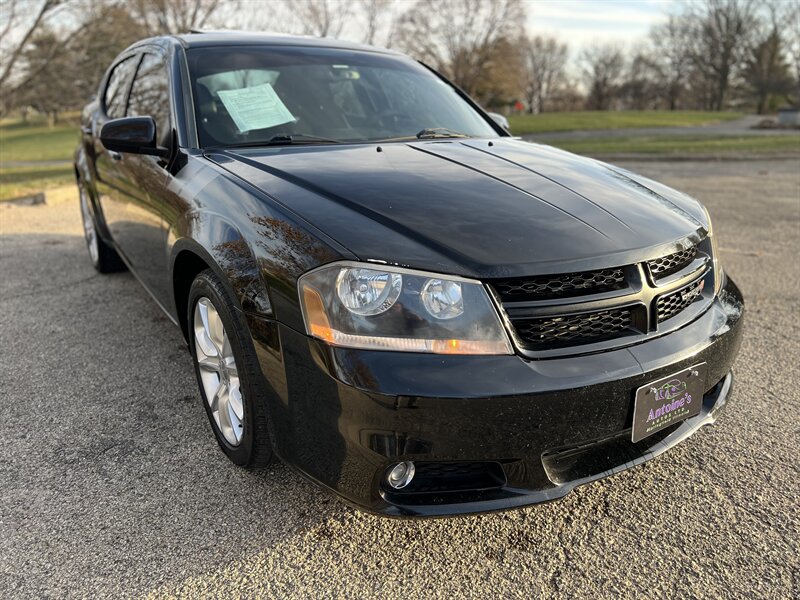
228, 372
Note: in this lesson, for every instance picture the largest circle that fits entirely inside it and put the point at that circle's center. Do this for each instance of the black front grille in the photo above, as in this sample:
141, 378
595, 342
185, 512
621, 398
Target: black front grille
671, 304
602, 305
559, 286
672, 263
545, 333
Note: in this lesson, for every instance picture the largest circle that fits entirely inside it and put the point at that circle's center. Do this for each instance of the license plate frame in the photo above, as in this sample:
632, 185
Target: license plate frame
668, 400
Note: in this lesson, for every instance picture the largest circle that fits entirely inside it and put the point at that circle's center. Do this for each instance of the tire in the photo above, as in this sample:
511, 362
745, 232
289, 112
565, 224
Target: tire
104, 258
245, 440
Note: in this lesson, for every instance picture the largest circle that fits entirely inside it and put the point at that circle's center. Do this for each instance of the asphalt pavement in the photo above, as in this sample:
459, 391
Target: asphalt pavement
111, 484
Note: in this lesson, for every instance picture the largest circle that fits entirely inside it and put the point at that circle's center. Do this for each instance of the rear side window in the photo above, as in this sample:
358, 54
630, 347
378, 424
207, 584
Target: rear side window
117, 88
149, 95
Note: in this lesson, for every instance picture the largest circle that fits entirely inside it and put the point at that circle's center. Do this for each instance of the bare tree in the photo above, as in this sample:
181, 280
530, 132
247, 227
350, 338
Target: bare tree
671, 58
22, 20
113, 29
545, 58
720, 30
459, 37
603, 66
377, 17
321, 18
790, 15
367, 21
173, 16
52, 90
641, 88
766, 69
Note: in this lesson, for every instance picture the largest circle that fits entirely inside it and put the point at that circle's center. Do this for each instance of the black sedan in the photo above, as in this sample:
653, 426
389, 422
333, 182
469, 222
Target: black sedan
382, 287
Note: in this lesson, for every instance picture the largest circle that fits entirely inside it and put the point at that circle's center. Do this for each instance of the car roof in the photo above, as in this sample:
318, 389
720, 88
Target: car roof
249, 38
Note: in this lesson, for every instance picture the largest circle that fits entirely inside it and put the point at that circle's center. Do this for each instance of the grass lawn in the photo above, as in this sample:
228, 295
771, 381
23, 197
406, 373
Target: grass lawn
36, 141
682, 145
572, 121
20, 181
31, 142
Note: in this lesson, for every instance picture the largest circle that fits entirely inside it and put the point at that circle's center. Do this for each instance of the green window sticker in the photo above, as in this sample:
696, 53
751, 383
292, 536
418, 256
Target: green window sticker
257, 107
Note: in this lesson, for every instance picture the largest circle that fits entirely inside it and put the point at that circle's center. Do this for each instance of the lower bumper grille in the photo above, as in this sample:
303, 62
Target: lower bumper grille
437, 477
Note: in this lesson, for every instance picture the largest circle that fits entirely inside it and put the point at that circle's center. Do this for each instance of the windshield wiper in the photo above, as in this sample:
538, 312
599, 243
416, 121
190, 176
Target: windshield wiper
282, 139
439, 132
291, 138
429, 133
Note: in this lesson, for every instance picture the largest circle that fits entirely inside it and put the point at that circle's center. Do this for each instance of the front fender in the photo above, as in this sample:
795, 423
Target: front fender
256, 242
219, 244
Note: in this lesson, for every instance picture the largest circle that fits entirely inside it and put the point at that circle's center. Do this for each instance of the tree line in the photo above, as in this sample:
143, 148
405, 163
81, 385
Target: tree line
708, 54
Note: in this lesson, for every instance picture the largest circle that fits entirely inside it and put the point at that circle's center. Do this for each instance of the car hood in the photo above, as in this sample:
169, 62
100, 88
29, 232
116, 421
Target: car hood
482, 208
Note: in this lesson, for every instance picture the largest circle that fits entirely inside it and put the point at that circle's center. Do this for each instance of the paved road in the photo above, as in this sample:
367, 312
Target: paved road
738, 127
113, 486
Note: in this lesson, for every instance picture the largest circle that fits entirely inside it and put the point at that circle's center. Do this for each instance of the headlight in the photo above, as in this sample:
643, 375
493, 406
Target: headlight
715, 263
387, 308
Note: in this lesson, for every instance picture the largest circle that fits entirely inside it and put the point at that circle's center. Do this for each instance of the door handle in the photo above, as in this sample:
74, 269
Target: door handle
115, 155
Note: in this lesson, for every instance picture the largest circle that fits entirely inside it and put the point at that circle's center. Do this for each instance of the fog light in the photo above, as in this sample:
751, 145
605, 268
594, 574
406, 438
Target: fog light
400, 475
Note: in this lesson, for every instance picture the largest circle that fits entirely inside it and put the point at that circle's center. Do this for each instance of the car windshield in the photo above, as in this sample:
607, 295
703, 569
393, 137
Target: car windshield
254, 95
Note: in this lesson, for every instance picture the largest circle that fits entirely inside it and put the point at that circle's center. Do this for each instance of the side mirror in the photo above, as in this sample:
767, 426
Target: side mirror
500, 120
135, 135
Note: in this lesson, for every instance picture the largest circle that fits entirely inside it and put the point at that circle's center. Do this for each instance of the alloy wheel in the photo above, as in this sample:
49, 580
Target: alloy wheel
218, 372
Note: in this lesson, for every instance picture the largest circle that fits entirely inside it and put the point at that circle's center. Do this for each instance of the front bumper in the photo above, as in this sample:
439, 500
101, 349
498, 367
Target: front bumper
486, 433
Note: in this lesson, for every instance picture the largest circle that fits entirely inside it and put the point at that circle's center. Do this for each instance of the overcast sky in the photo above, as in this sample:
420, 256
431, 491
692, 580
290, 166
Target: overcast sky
582, 21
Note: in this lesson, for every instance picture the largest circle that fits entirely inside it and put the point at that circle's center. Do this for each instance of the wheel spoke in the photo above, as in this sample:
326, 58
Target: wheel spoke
215, 400
228, 361
204, 343
225, 424
208, 363
216, 329
235, 402
201, 329
232, 369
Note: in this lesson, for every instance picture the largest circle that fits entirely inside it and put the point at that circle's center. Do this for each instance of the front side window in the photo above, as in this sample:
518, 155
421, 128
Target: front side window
251, 95
116, 91
150, 94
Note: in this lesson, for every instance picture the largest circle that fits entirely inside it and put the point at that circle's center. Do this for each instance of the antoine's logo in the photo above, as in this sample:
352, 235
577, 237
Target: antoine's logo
672, 389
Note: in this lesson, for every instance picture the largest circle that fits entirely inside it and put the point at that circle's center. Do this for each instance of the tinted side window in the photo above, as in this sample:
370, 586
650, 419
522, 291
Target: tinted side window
115, 95
150, 93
